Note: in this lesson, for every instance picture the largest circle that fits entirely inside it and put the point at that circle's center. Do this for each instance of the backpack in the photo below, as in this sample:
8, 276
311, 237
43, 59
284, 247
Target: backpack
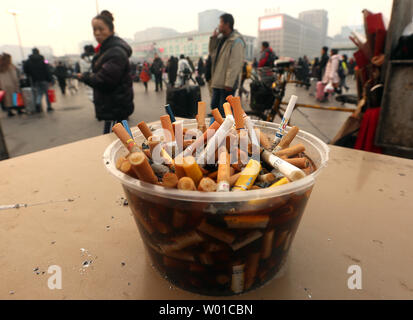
342, 69
271, 58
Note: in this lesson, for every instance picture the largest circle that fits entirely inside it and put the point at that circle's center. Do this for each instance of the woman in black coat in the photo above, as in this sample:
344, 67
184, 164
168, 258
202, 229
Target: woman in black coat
110, 77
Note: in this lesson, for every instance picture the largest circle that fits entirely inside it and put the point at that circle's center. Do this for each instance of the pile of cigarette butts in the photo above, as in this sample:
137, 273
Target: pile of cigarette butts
230, 155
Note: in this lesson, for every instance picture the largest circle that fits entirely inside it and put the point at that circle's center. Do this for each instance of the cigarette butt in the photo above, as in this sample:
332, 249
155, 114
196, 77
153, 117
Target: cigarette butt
246, 240
255, 187
178, 219
301, 163
207, 185
201, 113
186, 184
237, 282
162, 228
125, 138
181, 242
167, 125
187, 143
141, 220
281, 182
267, 244
179, 167
206, 259
227, 109
234, 178
288, 170
180, 255
215, 247
202, 139
247, 222
281, 239
237, 167
266, 178
288, 138
217, 233
170, 180
204, 171
213, 175
192, 169
119, 162
308, 171
235, 103
248, 176
142, 167
179, 136
263, 138
143, 127
148, 153
291, 151
217, 116
159, 169
251, 269
224, 170
153, 141
126, 168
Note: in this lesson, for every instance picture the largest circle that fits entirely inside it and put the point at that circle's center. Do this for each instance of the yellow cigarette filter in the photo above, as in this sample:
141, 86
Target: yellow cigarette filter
247, 222
192, 169
248, 176
170, 180
186, 184
281, 182
142, 167
207, 185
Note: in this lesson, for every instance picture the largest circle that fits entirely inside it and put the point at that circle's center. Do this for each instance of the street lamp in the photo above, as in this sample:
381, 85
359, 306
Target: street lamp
15, 13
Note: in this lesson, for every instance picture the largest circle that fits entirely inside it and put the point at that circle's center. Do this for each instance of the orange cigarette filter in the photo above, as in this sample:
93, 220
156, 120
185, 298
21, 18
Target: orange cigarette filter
192, 169
201, 113
126, 139
186, 184
142, 168
227, 109
217, 116
235, 103
301, 163
167, 125
207, 185
127, 168
179, 167
291, 151
143, 127
288, 138
170, 180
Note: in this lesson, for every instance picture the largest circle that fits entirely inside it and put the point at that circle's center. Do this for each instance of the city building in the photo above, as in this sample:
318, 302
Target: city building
318, 19
155, 33
342, 41
208, 20
290, 37
193, 44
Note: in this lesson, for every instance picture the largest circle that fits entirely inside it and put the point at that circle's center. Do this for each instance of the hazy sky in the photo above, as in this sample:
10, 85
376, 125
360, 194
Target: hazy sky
62, 24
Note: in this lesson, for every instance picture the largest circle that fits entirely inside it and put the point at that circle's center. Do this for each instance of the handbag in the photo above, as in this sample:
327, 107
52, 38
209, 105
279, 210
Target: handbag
2, 94
52, 95
17, 99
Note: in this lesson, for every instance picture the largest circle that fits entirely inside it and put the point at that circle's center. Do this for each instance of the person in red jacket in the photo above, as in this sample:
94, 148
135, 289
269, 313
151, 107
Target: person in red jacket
267, 56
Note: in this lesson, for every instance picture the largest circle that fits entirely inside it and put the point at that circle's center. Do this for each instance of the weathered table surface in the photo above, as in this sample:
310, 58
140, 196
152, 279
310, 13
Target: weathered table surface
360, 213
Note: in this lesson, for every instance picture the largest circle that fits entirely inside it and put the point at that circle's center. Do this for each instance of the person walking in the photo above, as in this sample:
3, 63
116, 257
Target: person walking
343, 71
172, 70
41, 77
157, 69
9, 83
227, 50
267, 56
110, 77
61, 75
184, 70
208, 74
201, 67
331, 71
323, 62
145, 75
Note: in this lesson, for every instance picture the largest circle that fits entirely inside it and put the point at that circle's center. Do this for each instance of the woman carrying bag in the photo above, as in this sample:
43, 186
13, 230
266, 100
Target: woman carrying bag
110, 77
9, 83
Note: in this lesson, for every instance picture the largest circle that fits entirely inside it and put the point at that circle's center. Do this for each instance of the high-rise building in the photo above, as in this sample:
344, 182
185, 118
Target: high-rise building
290, 37
155, 34
208, 20
318, 19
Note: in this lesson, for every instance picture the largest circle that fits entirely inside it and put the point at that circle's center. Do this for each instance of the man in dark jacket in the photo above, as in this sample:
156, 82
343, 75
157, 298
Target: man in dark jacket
156, 69
61, 75
40, 75
172, 69
323, 62
111, 81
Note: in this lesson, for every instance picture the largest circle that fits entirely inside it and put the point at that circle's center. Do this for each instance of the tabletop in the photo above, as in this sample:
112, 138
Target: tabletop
71, 214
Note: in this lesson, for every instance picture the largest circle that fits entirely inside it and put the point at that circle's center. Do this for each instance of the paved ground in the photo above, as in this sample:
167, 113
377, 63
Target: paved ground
74, 119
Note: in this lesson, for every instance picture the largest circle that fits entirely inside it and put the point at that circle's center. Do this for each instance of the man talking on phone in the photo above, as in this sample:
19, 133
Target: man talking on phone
227, 49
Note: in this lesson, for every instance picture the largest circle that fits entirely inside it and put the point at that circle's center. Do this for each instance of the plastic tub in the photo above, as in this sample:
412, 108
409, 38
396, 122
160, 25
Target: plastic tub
218, 244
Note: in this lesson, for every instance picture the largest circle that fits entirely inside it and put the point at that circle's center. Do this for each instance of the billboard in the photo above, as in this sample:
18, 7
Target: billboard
271, 23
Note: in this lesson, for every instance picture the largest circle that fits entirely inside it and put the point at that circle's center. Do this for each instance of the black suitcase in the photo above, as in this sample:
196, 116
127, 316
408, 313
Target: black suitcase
200, 81
184, 100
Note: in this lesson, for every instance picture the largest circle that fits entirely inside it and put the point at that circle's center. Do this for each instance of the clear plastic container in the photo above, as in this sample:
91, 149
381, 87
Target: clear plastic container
219, 244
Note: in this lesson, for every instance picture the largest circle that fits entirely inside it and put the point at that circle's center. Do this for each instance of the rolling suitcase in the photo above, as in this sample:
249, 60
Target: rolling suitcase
313, 87
184, 100
320, 91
